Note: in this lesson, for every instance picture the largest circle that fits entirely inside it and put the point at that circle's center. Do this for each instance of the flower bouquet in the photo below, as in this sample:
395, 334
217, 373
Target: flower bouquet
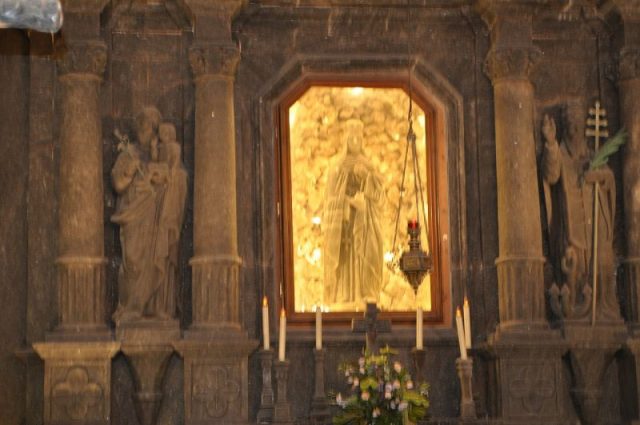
382, 393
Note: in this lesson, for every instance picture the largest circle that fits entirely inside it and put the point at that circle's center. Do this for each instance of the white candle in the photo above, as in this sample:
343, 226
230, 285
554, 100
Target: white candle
463, 350
467, 323
282, 341
318, 328
419, 328
265, 323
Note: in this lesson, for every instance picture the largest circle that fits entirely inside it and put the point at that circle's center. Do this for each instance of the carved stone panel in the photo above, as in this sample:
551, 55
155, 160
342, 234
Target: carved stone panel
77, 381
533, 389
216, 380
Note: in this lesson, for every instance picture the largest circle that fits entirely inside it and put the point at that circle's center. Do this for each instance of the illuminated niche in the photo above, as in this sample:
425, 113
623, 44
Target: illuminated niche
319, 123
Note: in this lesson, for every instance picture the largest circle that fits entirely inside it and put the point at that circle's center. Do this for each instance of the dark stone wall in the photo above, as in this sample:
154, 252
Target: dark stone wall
14, 89
148, 64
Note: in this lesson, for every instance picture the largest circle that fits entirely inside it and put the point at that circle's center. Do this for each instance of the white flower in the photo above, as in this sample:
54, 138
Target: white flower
409, 385
387, 395
361, 370
365, 396
396, 384
361, 361
393, 405
356, 382
350, 379
388, 387
339, 400
403, 406
375, 413
397, 366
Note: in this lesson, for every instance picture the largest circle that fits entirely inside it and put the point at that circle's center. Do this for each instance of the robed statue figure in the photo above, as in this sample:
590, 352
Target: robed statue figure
352, 250
569, 198
151, 184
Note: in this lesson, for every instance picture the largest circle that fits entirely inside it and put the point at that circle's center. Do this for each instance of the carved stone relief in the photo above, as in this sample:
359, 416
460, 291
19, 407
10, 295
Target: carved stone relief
152, 186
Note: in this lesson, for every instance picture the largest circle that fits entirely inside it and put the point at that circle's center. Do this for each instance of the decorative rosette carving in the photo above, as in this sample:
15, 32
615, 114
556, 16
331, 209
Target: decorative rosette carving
219, 60
84, 58
629, 64
512, 63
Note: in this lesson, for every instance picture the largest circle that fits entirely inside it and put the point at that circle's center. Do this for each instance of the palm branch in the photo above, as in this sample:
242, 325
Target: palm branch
609, 148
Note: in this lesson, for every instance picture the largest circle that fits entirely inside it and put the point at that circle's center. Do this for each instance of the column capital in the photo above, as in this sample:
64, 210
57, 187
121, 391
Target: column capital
84, 58
216, 60
510, 63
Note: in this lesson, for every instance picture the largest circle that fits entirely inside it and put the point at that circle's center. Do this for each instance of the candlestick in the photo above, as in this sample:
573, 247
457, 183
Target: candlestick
318, 328
467, 323
282, 341
265, 413
265, 323
463, 349
465, 373
419, 334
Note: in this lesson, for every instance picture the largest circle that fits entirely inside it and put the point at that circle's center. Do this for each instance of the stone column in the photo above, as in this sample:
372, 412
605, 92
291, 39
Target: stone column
629, 86
520, 264
81, 262
529, 386
215, 238
215, 348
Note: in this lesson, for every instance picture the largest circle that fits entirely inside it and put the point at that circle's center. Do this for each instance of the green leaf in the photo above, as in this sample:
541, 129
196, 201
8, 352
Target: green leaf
609, 148
368, 382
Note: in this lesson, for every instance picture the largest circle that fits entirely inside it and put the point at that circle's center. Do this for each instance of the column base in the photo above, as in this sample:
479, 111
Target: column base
527, 375
77, 381
216, 378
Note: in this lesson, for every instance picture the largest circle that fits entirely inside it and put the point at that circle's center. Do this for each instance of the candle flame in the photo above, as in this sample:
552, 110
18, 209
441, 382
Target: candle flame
458, 314
265, 302
282, 312
466, 302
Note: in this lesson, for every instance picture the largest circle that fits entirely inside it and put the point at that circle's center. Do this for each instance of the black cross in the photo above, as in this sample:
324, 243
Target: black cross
370, 326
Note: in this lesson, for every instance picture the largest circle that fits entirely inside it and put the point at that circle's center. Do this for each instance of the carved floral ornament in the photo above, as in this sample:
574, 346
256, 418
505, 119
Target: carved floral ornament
214, 60
511, 63
77, 394
83, 58
216, 390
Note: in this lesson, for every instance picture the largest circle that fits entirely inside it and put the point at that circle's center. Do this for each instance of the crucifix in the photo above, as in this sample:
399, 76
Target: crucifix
370, 325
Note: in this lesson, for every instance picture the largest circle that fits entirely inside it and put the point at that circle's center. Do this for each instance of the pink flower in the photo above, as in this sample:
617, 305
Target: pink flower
396, 384
409, 385
375, 413
403, 406
397, 367
356, 382
365, 396
387, 395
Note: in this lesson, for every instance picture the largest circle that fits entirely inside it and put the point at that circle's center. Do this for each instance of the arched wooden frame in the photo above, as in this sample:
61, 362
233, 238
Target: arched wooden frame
438, 207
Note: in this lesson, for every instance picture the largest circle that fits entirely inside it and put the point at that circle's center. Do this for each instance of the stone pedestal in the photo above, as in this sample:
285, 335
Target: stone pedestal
77, 382
529, 384
148, 346
216, 380
591, 352
80, 263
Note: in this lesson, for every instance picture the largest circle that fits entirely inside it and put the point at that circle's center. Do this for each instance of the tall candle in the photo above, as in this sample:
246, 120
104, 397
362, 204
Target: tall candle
318, 328
463, 350
282, 341
467, 323
265, 323
419, 328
